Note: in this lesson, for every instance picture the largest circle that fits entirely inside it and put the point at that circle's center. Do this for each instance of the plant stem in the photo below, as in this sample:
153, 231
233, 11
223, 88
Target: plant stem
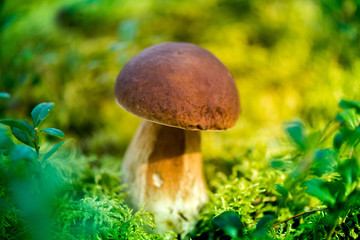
37, 147
328, 237
299, 215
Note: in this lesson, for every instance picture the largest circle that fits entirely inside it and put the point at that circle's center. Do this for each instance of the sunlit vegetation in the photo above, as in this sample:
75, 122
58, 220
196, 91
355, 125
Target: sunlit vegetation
289, 169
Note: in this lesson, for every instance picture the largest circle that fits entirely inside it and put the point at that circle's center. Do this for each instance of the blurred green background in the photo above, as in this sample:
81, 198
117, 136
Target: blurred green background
293, 58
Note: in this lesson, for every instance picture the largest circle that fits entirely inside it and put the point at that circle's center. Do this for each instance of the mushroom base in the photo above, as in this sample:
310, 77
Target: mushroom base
163, 169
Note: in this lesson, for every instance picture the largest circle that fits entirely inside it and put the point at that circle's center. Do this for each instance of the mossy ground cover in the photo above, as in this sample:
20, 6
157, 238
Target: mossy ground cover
289, 169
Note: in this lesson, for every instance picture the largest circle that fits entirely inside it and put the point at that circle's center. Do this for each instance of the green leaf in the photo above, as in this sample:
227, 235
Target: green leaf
345, 104
317, 188
353, 199
4, 95
349, 170
230, 223
54, 149
278, 164
350, 141
21, 152
22, 136
296, 132
5, 141
22, 166
338, 141
22, 125
282, 190
40, 112
262, 227
324, 161
127, 31
265, 221
54, 132
348, 117
337, 189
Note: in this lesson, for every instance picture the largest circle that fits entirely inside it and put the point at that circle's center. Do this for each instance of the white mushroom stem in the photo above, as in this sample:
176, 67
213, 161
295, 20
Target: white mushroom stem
163, 169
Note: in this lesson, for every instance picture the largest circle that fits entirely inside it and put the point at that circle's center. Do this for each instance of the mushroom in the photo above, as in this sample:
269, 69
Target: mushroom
178, 89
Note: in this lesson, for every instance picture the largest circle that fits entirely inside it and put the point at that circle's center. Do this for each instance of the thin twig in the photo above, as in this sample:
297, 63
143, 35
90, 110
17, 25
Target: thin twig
299, 215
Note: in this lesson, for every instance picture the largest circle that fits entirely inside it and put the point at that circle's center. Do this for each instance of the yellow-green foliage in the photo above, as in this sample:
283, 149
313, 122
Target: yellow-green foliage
290, 58
294, 58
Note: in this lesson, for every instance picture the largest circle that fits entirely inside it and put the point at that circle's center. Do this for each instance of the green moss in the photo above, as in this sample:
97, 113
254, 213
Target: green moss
289, 58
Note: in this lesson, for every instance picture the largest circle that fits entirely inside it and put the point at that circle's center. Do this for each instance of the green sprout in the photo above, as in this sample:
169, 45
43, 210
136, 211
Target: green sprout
29, 134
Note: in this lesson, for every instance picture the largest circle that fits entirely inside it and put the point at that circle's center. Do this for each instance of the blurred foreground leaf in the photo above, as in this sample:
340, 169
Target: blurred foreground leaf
296, 131
346, 104
230, 223
20, 153
349, 118
263, 227
349, 170
4, 95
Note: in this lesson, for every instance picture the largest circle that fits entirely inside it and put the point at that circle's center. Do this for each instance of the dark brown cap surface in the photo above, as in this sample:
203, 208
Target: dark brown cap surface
179, 85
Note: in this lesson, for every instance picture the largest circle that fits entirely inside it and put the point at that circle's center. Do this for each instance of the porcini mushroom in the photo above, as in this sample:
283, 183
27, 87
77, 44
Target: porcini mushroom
178, 89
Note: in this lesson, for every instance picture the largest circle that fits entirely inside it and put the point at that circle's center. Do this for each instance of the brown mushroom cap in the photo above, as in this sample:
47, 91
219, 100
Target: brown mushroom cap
179, 85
